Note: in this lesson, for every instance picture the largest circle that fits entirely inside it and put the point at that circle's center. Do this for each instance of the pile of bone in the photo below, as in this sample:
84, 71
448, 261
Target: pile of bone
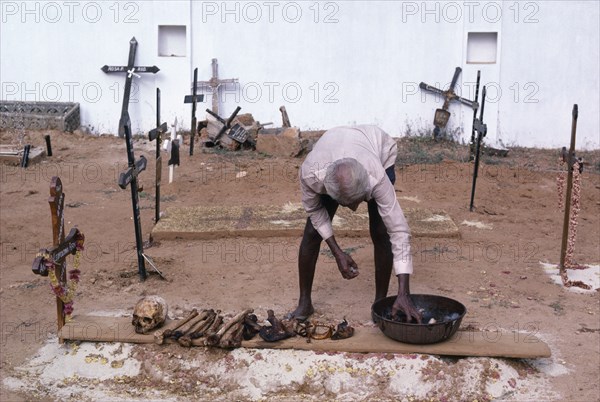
210, 328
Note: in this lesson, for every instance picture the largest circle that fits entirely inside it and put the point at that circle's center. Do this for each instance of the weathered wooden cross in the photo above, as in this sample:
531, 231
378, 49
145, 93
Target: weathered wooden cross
226, 126
131, 71
156, 134
54, 258
193, 99
215, 83
442, 115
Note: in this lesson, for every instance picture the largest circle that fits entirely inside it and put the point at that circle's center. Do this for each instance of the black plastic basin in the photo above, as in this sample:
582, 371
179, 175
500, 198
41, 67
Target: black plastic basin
448, 314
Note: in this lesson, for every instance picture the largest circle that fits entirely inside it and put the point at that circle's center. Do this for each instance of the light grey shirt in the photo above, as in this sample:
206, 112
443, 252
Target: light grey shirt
375, 150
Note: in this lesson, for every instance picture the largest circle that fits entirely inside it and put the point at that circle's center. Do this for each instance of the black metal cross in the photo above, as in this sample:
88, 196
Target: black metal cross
61, 246
472, 142
131, 71
156, 134
442, 115
481, 129
129, 178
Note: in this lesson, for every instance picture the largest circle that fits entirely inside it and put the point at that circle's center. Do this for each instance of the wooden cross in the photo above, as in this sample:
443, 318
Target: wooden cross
61, 246
131, 71
156, 134
226, 126
442, 115
215, 83
193, 99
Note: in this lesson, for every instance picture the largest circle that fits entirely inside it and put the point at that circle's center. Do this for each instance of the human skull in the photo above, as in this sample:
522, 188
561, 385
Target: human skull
150, 312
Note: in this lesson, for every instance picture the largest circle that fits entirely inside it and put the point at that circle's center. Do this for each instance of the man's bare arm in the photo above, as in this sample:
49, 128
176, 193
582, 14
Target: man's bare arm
345, 263
403, 302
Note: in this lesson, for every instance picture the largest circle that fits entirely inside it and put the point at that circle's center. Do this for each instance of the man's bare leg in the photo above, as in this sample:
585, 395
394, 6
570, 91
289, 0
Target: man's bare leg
382, 250
307, 262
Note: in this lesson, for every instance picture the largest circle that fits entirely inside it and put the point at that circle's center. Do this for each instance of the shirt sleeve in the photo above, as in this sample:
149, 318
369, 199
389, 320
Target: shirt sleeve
396, 225
311, 201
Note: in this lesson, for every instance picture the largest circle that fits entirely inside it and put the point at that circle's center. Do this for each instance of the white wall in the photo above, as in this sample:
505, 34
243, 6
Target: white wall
329, 63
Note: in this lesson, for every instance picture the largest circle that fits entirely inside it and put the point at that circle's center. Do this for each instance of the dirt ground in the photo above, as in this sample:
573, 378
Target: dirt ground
494, 270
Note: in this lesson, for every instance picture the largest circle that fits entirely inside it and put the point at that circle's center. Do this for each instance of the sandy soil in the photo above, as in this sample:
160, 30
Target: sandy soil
494, 269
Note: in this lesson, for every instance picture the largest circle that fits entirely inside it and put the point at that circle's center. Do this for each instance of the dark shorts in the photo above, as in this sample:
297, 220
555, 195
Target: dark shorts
391, 173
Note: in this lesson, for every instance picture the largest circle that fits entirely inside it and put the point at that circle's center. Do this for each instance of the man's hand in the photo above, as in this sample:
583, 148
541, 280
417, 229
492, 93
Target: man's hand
404, 303
346, 265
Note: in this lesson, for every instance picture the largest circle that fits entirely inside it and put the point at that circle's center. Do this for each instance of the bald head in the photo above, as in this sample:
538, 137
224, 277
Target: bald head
347, 181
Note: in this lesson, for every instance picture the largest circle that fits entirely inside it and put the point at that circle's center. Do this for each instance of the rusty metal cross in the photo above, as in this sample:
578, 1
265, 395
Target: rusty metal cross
442, 114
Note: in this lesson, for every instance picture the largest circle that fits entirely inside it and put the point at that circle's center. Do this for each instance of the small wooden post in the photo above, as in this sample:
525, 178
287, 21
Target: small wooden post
570, 162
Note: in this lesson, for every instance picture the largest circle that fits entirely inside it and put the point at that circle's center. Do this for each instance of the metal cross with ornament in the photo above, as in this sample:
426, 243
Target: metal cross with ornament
54, 258
442, 115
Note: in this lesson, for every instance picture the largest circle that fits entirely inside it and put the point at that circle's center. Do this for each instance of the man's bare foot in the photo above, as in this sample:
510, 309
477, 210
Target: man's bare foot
301, 313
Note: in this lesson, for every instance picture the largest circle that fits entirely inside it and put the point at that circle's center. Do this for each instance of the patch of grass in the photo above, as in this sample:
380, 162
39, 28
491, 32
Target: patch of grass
558, 308
491, 160
426, 150
327, 252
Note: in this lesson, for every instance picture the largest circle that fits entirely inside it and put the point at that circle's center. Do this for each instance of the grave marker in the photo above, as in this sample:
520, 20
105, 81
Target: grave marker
481, 129
442, 115
53, 259
131, 71
193, 99
156, 134
129, 178
215, 83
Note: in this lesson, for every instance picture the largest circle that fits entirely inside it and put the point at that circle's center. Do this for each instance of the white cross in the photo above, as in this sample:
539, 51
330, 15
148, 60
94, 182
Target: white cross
132, 72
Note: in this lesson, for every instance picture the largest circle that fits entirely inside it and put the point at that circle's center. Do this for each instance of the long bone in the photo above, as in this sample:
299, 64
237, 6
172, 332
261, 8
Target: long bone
159, 336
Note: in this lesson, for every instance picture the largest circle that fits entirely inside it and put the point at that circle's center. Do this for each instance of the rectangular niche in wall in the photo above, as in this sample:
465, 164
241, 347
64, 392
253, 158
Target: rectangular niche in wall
171, 40
482, 47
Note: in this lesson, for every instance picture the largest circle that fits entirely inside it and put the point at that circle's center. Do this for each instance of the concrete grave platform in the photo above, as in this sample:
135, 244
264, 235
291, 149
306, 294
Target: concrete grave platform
12, 155
210, 222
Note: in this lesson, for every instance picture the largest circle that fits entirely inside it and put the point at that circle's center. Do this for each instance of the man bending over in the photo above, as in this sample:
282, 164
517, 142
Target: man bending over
349, 165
